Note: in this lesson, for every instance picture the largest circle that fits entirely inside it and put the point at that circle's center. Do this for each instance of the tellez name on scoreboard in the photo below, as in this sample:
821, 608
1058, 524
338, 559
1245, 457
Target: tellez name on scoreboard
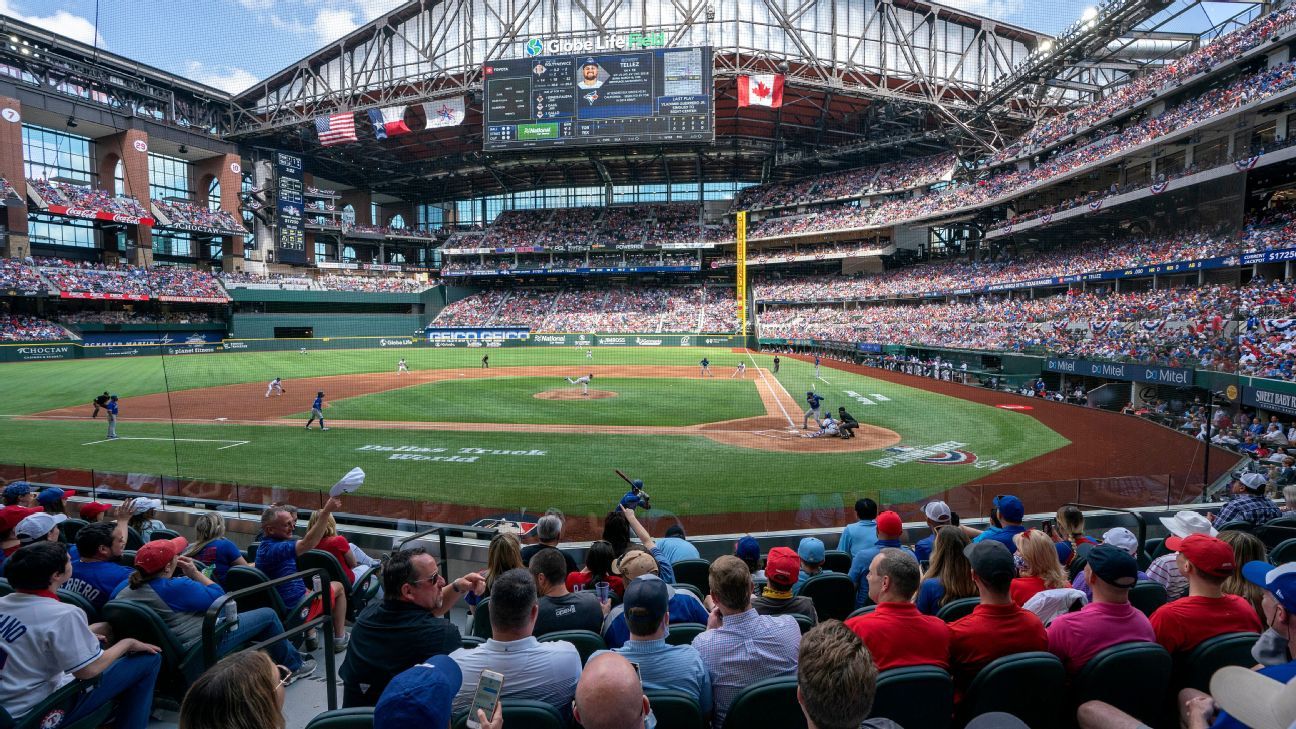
661, 95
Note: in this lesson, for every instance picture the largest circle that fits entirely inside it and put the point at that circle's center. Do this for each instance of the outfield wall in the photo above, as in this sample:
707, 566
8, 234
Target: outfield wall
262, 326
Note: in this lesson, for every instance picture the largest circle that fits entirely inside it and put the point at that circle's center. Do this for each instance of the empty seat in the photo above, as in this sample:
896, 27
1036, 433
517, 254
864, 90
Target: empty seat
675, 710
1283, 553
833, 595
836, 560
1025, 685
522, 713
693, 572
1194, 670
1147, 596
915, 696
1107, 677
771, 702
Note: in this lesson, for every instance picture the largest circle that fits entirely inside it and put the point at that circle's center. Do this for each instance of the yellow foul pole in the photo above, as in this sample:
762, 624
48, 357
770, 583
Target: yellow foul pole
741, 284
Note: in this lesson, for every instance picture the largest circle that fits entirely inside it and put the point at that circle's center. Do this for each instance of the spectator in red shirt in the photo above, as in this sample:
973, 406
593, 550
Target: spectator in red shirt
1107, 621
1042, 572
334, 543
896, 633
996, 627
1207, 612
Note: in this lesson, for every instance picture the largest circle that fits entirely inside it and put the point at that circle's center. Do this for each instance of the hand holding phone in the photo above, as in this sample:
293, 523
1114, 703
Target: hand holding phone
485, 699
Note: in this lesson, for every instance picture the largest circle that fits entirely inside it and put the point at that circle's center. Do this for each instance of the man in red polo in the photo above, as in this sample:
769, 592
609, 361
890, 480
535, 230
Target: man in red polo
1207, 612
996, 627
896, 633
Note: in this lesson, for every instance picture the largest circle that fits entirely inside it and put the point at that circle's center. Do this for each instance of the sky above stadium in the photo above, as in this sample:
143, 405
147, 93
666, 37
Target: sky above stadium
231, 44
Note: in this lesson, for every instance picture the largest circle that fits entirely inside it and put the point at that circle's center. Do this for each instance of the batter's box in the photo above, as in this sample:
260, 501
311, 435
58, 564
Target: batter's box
778, 434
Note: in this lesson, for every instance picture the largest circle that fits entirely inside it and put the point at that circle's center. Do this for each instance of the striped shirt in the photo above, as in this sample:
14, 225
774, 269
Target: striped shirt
1165, 570
746, 648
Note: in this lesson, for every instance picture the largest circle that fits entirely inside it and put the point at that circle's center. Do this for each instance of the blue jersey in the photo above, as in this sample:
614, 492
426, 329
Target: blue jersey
318, 404
813, 399
816, 360
111, 407
96, 581
705, 363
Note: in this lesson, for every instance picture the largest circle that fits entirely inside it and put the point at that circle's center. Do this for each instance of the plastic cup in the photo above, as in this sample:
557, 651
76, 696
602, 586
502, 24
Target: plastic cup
602, 589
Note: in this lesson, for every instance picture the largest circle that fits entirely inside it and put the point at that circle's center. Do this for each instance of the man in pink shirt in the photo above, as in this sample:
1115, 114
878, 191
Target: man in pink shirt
1107, 621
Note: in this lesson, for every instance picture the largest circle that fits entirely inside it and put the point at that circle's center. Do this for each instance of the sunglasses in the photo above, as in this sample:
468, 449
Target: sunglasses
284, 675
430, 578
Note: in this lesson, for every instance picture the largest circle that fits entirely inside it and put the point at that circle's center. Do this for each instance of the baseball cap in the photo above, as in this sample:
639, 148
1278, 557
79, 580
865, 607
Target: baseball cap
144, 504
635, 563
1064, 552
1253, 481
420, 696
1209, 554
94, 508
811, 550
1184, 523
782, 566
155, 555
1121, 538
1009, 507
1113, 566
991, 560
646, 601
18, 488
675, 530
11, 515
1254, 699
36, 526
1279, 581
747, 548
937, 511
888, 522
53, 496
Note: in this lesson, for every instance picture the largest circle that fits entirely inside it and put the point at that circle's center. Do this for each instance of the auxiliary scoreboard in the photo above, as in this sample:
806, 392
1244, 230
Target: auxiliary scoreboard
640, 97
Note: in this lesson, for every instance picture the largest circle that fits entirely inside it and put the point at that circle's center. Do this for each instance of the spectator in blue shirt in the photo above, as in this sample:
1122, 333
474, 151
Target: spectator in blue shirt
96, 573
811, 552
213, 549
675, 545
938, 515
862, 533
277, 557
890, 529
664, 569
1006, 516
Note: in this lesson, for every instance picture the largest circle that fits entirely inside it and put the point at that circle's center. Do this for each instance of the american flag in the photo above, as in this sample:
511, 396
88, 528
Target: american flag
335, 128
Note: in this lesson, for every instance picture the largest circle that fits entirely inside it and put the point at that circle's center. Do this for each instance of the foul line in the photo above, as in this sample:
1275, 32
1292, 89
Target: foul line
232, 443
776, 397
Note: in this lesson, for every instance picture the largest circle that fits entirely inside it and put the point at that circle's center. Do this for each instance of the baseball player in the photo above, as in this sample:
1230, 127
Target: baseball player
111, 407
846, 423
816, 365
589, 354
486, 362
99, 403
275, 386
401, 367
317, 411
583, 382
303, 350
740, 371
826, 428
813, 400
705, 364
776, 364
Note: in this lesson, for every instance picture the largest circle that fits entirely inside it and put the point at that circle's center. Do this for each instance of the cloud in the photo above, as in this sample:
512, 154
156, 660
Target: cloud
328, 25
255, 5
61, 22
226, 78
993, 9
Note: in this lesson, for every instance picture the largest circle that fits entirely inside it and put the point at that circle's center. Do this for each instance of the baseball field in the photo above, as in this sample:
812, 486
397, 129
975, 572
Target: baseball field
520, 437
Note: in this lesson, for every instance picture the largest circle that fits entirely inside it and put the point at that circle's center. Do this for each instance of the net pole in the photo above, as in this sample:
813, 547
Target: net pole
740, 287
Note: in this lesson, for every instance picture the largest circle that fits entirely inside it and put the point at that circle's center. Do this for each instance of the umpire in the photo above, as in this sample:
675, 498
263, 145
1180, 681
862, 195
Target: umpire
847, 423
100, 403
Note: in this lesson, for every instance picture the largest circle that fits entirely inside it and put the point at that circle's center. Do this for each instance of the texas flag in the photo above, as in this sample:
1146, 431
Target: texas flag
388, 122
761, 90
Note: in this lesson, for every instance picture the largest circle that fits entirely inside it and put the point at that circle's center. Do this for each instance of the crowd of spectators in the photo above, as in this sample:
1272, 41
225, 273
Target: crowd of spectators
620, 309
183, 213
126, 280
859, 182
329, 282
266, 280
560, 261
77, 196
387, 230
137, 317
649, 225
820, 252
21, 328
19, 275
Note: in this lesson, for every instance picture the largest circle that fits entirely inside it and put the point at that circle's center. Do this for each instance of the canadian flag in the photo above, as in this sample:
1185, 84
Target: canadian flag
761, 90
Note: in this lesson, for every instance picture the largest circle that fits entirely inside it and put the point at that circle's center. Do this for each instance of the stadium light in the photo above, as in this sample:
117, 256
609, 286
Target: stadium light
1089, 14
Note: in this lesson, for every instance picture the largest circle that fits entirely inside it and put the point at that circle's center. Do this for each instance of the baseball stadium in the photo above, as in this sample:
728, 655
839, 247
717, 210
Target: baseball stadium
780, 281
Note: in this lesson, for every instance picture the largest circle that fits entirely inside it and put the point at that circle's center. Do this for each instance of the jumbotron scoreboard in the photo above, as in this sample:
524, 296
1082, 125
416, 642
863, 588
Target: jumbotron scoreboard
635, 97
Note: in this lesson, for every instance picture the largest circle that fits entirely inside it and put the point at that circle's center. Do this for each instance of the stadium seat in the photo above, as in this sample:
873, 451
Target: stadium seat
586, 641
1194, 669
833, 595
1025, 685
1237, 526
250, 553
1286, 520
1106, 677
693, 572
684, 633
133, 539
357, 717
127, 558
1147, 596
50, 712
1283, 553
700, 594
481, 626
861, 611
5, 589
675, 710
771, 702
470, 641
955, 609
180, 666
1077, 566
241, 578
69, 528
358, 594
72, 598
915, 696
522, 713
836, 560
1273, 534
1155, 547
803, 622
157, 534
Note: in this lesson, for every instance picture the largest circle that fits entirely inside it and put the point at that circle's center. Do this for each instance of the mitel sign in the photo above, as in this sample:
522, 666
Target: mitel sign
624, 42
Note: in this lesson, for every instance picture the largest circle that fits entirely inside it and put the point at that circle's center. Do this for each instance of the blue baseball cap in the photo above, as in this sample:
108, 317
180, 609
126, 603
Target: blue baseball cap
18, 488
420, 696
1279, 581
53, 495
747, 548
1009, 507
811, 550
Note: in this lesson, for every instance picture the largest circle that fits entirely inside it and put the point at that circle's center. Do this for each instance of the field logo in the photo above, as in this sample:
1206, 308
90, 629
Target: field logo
648, 342
395, 342
949, 453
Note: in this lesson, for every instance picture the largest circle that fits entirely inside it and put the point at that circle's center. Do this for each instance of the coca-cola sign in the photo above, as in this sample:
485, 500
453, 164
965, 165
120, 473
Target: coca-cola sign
107, 217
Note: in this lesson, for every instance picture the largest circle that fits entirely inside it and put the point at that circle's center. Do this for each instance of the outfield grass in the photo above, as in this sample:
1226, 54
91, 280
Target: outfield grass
685, 474
639, 401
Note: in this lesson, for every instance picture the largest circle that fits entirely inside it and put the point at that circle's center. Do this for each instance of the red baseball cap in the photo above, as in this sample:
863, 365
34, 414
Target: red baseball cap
155, 555
94, 508
11, 515
782, 566
1211, 555
888, 523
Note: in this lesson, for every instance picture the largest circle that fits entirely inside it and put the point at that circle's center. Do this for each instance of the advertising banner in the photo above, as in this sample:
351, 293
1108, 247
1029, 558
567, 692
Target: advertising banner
468, 334
130, 339
1271, 400
1130, 372
91, 214
102, 295
571, 271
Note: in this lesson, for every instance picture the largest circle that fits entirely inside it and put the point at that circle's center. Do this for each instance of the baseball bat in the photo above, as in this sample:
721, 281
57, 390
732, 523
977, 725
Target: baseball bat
623, 476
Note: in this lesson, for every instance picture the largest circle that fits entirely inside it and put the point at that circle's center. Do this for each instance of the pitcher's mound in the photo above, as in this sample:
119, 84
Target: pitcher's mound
574, 394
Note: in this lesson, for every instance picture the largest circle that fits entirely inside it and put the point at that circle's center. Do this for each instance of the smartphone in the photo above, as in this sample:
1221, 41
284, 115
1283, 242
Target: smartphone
486, 697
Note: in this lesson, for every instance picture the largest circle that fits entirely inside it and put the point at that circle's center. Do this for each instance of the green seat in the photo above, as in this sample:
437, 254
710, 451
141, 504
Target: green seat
915, 696
693, 572
861, 611
1077, 566
1283, 553
481, 626
127, 558
1195, 668
768, 703
291, 616
133, 539
358, 594
675, 710
1272, 534
803, 622
50, 712
586, 641
1107, 677
1155, 548
1025, 685
691, 589
683, 633
1147, 596
955, 609
181, 666
357, 717
5, 589
471, 641
157, 534
526, 713
833, 595
1237, 526
836, 560
72, 598
69, 528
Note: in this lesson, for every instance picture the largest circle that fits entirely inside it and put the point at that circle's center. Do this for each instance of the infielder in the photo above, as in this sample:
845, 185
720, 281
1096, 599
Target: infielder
826, 428
486, 361
111, 407
401, 367
816, 365
589, 354
705, 364
813, 400
99, 403
275, 386
740, 371
303, 350
317, 411
583, 382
